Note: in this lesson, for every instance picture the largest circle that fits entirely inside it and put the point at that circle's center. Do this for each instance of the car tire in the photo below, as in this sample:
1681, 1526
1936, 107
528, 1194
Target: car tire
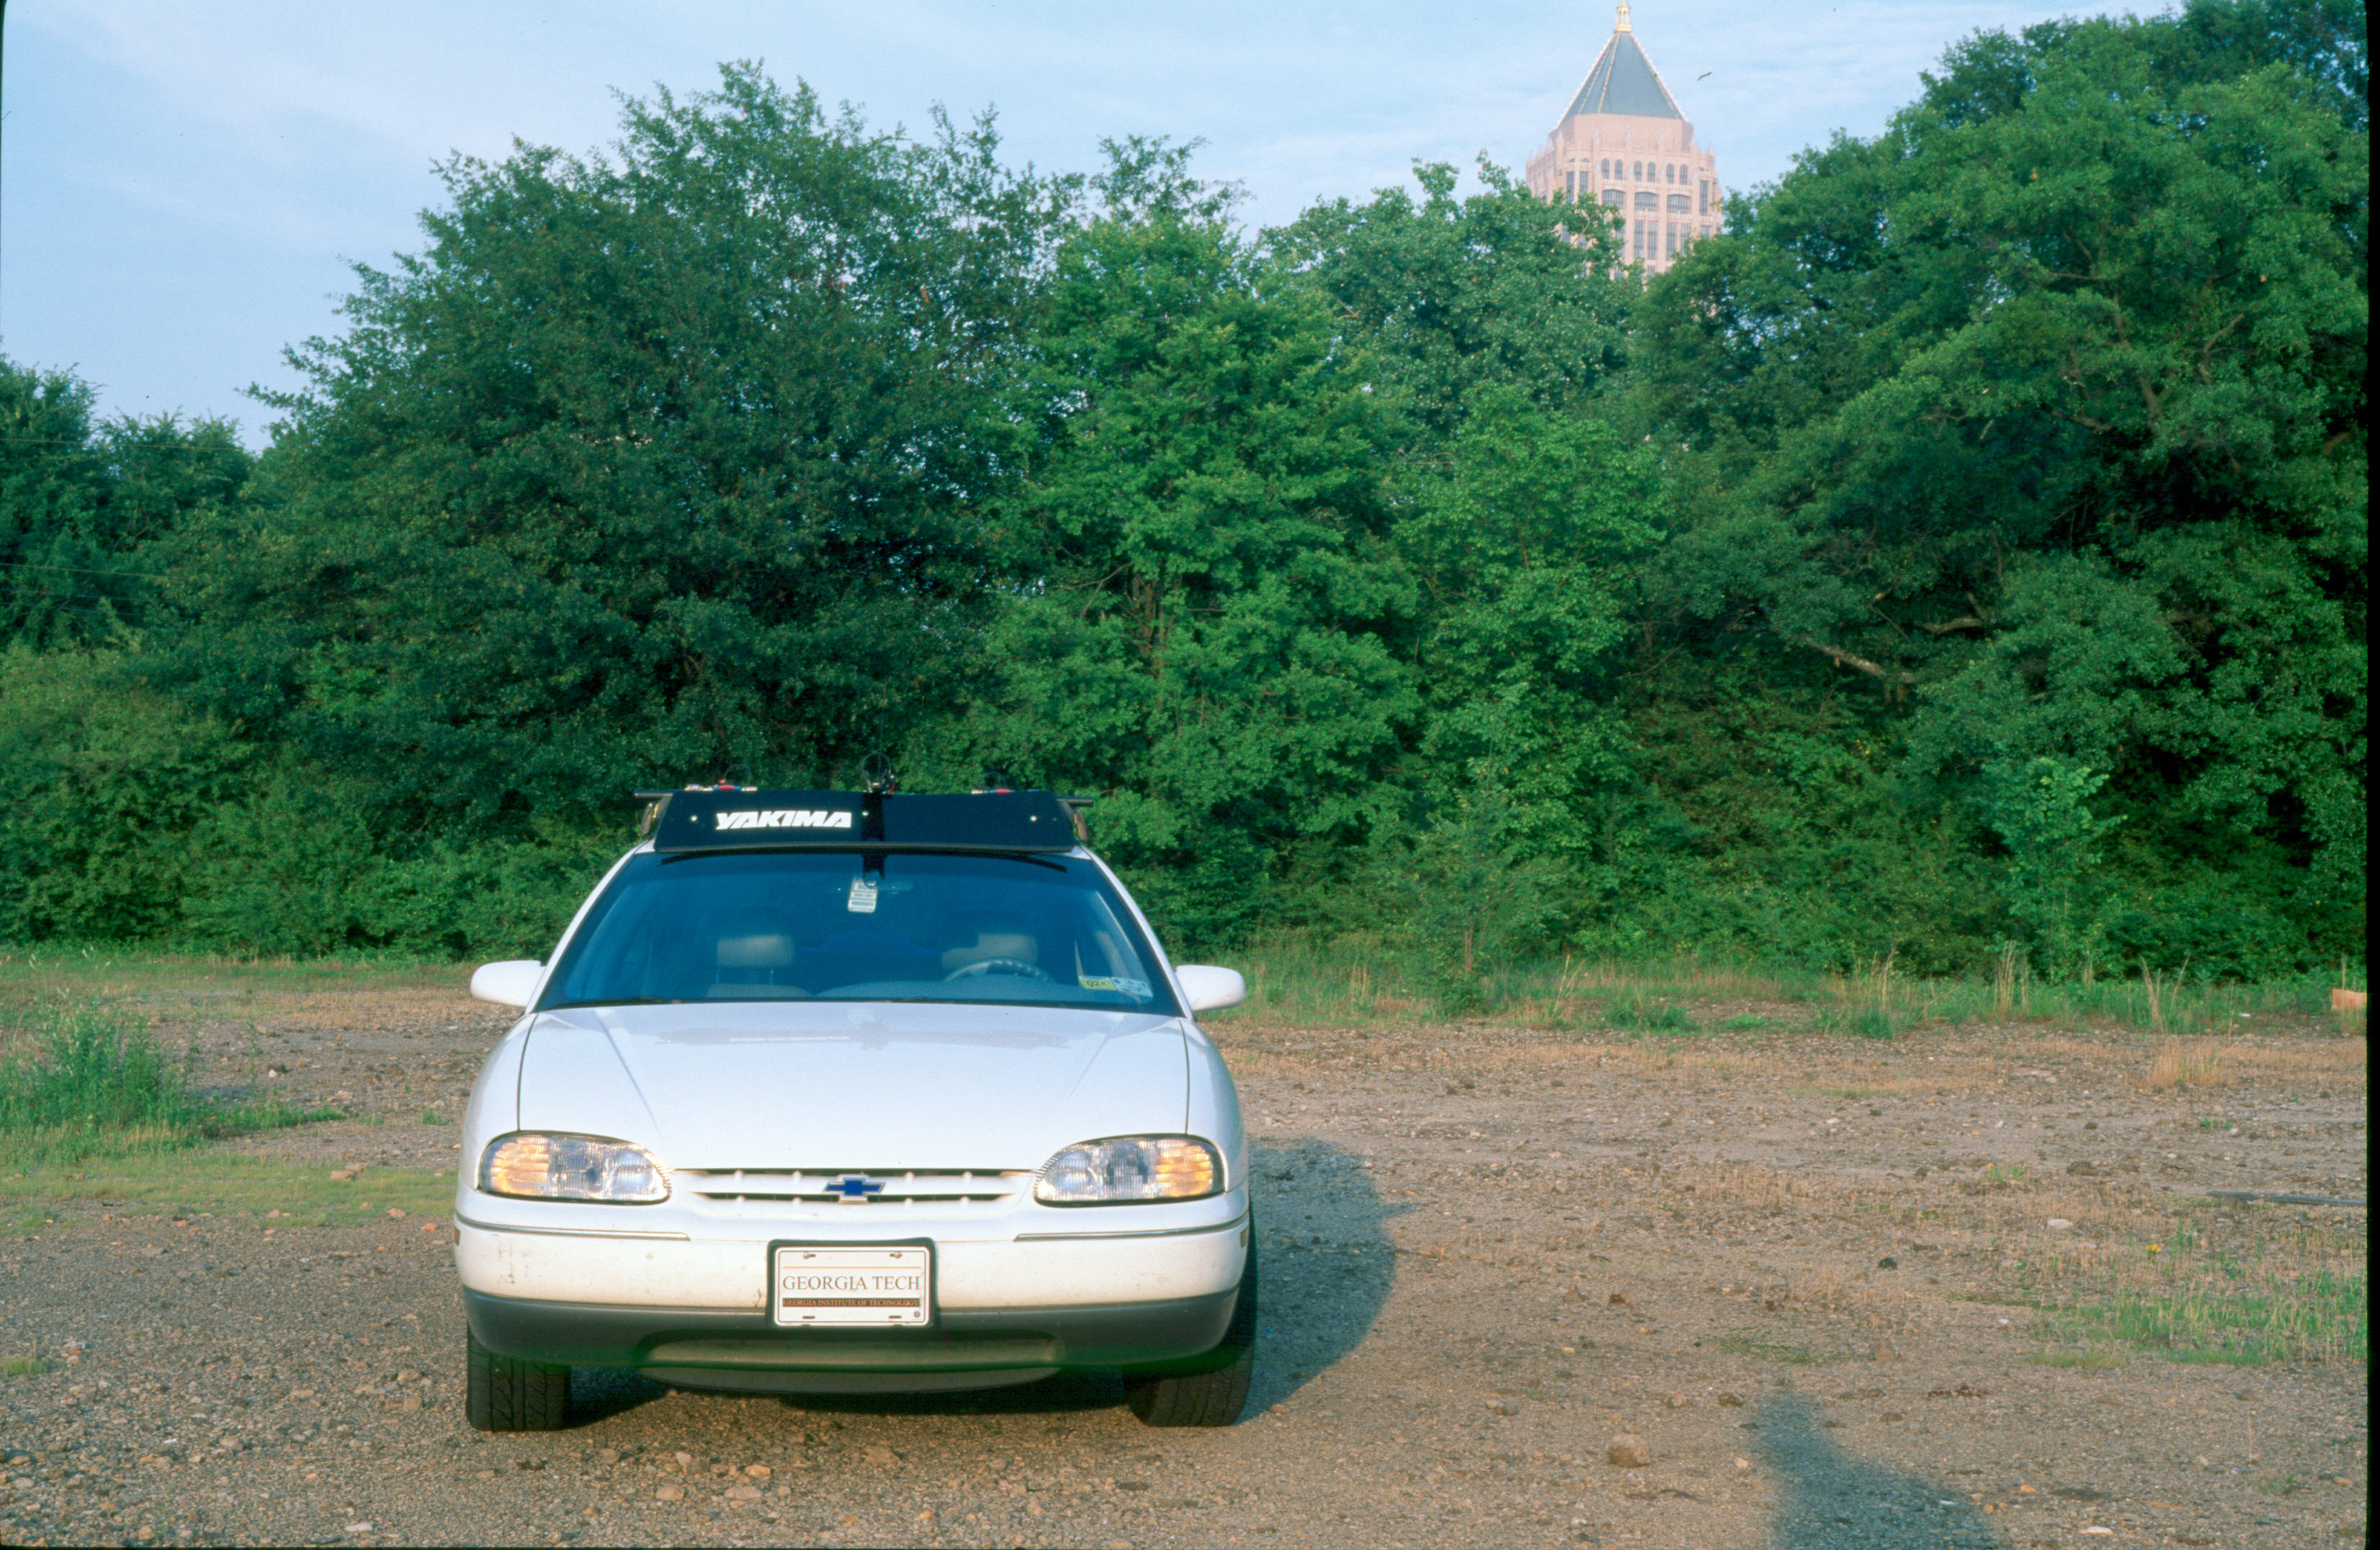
505, 1394
1209, 1398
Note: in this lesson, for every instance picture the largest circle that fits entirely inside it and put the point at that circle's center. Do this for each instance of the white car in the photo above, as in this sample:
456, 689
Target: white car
835, 1093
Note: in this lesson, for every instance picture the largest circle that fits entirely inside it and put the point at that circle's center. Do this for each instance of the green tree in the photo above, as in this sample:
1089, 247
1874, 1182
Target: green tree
664, 466
2041, 811
1528, 547
1449, 293
2043, 414
1204, 644
81, 499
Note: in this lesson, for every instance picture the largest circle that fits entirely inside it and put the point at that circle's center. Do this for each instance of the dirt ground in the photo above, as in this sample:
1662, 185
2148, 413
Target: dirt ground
1831, 1285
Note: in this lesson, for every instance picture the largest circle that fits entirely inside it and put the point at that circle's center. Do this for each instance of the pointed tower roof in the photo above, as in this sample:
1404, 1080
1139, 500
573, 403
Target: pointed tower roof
1624, 80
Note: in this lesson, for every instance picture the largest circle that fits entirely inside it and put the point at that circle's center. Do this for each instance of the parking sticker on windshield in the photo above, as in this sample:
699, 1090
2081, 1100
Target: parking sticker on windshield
863, 896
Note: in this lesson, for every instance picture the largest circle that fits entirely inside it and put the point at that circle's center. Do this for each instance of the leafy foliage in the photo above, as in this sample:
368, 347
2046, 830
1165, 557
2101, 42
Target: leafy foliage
1966, 548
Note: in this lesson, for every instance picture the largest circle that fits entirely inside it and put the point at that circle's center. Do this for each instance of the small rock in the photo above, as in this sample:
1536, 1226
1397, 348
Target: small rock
1888, 1263
1733, 1401
2084, 1170
1887, 1351
880, 1454
742, 1493
359, 1528
2060, 1224
1502, 1407
1628, 1453
409, 1375
607, 1455
758, 1472
683, 1460
1678, 1402
395, 1214
341, 1175
670, 1493
1894, 1415
1619, 1300
410, 1402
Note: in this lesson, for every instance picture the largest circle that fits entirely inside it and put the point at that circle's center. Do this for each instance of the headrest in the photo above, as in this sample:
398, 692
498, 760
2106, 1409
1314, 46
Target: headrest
760, 950
751, 938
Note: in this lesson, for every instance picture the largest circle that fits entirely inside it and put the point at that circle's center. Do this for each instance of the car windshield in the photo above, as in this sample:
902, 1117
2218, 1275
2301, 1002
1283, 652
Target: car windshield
837, 926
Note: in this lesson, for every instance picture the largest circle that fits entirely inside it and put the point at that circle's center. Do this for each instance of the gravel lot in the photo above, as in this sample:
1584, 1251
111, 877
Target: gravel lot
1803, 1273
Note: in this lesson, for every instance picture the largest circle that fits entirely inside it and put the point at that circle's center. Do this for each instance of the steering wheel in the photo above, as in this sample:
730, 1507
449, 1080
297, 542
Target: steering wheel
998, 966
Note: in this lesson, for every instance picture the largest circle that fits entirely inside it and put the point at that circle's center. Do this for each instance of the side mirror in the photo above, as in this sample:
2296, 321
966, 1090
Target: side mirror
1207, 988
508, 983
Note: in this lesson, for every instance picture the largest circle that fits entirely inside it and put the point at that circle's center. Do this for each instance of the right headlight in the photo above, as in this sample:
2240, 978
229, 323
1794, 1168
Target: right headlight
529, 1165
1131, 1167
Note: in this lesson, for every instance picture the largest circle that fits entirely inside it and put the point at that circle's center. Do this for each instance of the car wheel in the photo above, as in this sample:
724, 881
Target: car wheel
1209, 1398
506, 1394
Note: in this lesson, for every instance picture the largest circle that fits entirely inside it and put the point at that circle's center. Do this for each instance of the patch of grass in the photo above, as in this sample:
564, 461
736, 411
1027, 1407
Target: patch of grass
1744, 1023
1770, 1350
432, 1117
1648, 1014
187, 1184
2319, 1316
2005, 1177
2090, 1358
86, 1081
22, 1366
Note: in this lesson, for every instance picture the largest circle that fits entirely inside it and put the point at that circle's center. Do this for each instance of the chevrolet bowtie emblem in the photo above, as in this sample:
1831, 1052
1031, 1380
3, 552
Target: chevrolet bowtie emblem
853, 1189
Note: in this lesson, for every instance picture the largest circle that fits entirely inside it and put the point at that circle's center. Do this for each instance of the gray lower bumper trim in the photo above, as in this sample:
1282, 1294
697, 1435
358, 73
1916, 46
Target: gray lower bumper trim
962, 1341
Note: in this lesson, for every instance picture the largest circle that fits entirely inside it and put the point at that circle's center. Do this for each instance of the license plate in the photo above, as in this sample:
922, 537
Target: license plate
872, 1286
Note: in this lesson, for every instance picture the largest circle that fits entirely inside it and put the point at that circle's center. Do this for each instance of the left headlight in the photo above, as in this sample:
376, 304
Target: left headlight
535, 1167
1130, 1167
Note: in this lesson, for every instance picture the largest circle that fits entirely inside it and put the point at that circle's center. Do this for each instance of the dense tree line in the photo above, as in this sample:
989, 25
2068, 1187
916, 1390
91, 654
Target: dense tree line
1965, 549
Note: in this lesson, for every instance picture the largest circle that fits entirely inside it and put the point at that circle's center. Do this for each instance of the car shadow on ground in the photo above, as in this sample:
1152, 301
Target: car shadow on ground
1328, 1264
1829, 1500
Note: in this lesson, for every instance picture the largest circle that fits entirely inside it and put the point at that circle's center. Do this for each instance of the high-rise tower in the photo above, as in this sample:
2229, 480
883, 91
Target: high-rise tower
1623, 142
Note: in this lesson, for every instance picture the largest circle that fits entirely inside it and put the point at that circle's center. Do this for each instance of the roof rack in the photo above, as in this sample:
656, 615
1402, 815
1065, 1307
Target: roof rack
745, 817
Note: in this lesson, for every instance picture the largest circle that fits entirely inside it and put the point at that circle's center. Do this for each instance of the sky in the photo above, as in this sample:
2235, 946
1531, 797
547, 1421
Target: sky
185, 183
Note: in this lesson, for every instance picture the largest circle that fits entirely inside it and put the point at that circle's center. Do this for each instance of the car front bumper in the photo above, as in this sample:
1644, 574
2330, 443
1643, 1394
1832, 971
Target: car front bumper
694, 1312
700, 1348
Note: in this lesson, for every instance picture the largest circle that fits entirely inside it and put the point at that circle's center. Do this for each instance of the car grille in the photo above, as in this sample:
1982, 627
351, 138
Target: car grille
941, 1188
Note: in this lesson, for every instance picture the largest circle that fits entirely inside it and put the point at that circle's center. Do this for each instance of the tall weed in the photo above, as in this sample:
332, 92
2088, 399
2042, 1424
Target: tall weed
89, 1082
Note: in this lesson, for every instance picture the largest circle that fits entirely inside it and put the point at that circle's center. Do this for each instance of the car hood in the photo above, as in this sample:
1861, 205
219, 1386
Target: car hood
854, 1084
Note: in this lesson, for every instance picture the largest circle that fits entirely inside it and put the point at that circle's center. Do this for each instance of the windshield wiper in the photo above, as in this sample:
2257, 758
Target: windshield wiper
618, 1001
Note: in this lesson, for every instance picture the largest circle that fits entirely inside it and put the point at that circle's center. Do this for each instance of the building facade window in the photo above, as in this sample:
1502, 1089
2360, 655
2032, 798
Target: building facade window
1647, 200
1706, 209
1679, 204
1640, 172
1613, 196
1607, 167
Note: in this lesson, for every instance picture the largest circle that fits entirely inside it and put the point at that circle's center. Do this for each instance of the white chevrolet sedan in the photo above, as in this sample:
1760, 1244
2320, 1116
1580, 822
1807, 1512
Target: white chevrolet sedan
829, 1093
